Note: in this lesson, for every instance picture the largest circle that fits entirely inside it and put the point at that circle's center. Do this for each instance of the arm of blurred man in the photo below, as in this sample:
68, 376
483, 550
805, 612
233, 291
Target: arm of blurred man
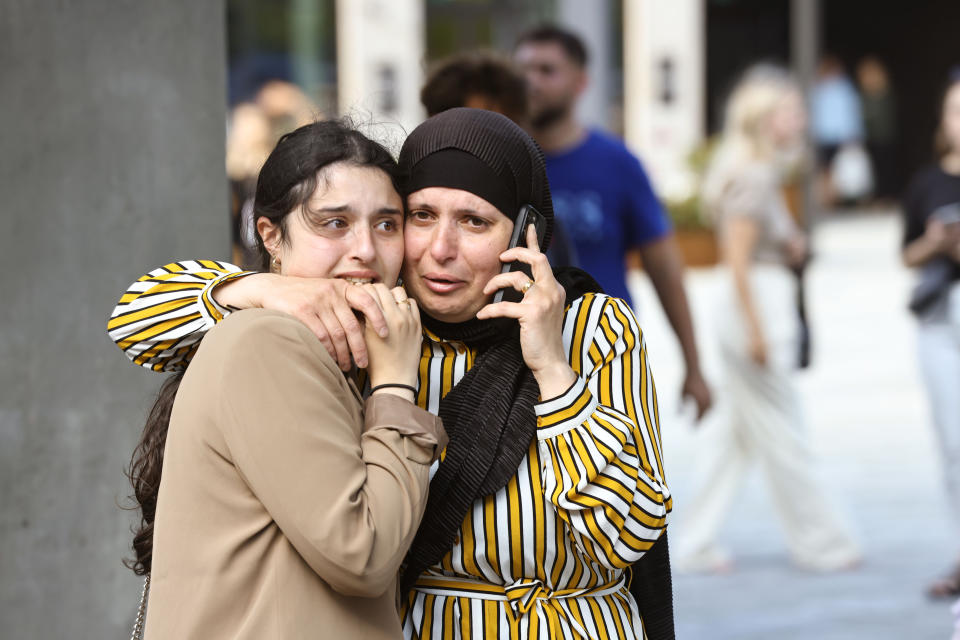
663, 263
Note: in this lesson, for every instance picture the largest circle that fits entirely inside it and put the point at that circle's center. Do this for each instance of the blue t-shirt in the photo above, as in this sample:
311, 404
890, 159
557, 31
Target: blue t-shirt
604, 199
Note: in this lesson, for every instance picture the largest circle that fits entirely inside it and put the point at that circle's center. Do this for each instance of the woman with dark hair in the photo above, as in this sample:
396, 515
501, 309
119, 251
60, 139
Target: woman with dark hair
552, 484
931, 243
275, 501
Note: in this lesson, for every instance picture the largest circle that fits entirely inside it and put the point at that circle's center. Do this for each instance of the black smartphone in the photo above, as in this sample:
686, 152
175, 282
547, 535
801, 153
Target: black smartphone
528, 215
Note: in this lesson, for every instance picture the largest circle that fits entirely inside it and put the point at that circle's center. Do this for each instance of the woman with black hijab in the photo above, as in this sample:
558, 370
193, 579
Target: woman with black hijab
552, 484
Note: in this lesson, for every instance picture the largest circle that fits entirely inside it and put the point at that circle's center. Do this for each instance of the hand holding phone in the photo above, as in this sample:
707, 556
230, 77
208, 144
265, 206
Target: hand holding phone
528, 215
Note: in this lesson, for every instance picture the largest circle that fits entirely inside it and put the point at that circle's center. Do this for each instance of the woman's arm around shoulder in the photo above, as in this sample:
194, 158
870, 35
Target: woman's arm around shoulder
162, 316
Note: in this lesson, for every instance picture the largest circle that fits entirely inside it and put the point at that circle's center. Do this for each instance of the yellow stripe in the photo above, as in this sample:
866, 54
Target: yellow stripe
148, 312
561, 415
516, 537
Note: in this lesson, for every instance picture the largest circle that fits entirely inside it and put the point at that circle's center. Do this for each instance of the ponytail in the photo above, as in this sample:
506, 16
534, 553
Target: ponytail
146, 465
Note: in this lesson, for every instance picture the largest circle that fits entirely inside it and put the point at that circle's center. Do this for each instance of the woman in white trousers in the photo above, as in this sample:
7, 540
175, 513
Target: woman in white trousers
758, 325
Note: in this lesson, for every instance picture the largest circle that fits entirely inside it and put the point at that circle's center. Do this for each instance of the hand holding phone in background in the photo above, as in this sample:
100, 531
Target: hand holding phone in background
943, 230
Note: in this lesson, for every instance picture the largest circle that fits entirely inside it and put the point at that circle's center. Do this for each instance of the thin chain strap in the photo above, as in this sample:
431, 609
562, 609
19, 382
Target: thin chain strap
141, 611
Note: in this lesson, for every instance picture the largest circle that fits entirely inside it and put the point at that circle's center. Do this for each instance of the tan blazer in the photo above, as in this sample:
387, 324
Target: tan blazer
286, 506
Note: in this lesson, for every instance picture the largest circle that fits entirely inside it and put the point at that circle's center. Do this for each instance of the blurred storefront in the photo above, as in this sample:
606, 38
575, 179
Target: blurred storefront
659, 71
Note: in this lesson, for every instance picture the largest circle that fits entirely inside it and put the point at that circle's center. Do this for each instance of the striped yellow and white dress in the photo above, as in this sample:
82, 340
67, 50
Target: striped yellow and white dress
545, 556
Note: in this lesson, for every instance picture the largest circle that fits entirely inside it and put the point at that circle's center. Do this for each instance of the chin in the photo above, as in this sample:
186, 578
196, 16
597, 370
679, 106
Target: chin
446, 312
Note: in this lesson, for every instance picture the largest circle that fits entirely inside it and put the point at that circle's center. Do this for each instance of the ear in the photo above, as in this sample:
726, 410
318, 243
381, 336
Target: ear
270, 234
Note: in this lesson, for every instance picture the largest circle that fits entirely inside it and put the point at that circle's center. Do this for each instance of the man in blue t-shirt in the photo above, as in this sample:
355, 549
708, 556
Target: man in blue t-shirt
601, 192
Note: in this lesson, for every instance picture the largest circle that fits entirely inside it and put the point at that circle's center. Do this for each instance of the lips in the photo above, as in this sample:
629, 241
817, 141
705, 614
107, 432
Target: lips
441, 283
359, 277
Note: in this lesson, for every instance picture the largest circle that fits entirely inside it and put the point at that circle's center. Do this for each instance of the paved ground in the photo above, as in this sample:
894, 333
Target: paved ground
868, 423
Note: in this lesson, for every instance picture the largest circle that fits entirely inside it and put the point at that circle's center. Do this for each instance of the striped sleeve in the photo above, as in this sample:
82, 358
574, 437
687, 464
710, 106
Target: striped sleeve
601, 438
162, 317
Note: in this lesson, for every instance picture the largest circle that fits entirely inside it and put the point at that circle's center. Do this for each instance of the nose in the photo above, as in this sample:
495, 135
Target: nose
362, 249
443, 244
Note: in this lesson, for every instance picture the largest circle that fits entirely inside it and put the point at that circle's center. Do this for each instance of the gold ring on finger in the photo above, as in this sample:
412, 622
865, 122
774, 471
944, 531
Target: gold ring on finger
526, 286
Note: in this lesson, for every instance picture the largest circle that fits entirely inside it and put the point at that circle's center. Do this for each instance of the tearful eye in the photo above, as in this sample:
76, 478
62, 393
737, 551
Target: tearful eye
418, 215
388, 225
477, 223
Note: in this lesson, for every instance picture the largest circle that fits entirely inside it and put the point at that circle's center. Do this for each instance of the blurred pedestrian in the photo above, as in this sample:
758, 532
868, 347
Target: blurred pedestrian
478, 79
287, 106
931, 243
758, 330
837, 125
252, 131
485, 80
601, 192
879, 108
249, 141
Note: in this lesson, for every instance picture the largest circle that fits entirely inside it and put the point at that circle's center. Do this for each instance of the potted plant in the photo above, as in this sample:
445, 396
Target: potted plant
693, 231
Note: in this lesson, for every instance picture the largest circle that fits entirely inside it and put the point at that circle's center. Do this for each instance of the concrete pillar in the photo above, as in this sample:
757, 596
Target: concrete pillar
804, 52
113, 138
590, 19
380, 59
664, 87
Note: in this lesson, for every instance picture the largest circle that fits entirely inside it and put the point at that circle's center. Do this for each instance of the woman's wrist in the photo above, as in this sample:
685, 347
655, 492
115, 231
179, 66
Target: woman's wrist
243, 293
554, 380
402, 390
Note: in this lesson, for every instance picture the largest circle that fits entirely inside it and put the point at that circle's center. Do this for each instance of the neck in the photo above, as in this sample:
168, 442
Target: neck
950, 163
560, 135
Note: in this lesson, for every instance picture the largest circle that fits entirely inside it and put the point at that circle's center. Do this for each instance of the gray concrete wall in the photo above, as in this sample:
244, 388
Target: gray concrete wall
111, 162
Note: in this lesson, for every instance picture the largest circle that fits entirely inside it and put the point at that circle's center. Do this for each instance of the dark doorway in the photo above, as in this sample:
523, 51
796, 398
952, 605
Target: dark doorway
917, 41
741, 33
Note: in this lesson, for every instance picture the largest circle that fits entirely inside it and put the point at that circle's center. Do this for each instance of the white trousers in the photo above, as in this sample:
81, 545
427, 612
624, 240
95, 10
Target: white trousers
938, 346
766, 424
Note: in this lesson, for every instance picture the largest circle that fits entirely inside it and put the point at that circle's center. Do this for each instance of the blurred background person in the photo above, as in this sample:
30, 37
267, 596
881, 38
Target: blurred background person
477, 79
486, 80
836, 121
250, 139
253, 128
601, 191
287, 106
758, 330
879, 113
931, 243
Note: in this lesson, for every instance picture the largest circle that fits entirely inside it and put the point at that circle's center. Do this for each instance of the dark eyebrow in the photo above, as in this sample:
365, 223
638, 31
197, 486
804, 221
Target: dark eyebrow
343, 208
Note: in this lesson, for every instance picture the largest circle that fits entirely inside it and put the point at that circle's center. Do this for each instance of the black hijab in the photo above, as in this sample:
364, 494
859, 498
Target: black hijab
489, 415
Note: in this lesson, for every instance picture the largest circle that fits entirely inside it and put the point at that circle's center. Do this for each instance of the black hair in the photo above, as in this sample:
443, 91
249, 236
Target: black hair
458, 78
291, 172
570, 42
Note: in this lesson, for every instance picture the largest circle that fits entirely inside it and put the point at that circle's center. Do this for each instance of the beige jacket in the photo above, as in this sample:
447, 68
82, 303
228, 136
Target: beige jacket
286, 506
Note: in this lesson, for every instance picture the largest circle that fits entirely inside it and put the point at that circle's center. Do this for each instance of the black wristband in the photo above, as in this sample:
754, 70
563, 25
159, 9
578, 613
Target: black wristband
395, 385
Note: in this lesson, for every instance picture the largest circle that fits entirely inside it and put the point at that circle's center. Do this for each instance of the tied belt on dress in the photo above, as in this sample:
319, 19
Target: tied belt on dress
523, 596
